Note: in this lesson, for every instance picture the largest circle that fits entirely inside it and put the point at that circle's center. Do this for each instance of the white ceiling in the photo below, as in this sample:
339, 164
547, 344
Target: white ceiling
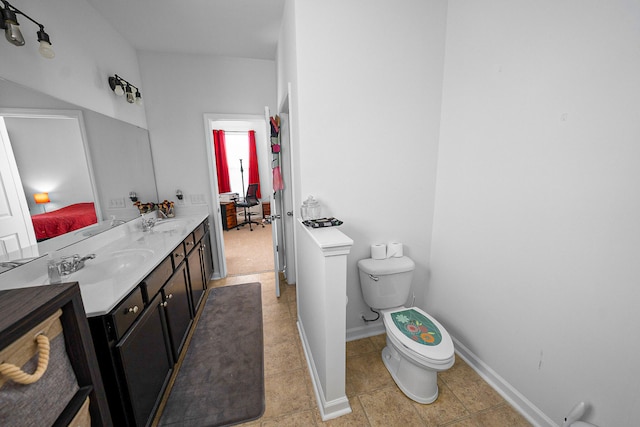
240, 28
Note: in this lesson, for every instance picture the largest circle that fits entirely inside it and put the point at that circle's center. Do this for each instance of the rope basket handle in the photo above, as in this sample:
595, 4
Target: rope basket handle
21, 377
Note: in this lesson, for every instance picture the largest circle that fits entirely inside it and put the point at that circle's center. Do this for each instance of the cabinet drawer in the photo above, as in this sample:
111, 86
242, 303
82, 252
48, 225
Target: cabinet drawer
127, 312
189, 243
152, 284
178, 255
198, 233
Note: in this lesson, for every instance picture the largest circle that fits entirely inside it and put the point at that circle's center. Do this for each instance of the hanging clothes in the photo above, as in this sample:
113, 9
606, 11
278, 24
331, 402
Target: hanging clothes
278, 183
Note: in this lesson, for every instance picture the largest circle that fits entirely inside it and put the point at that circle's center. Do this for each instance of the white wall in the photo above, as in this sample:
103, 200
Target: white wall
535, 255
88, 51
180, 89
368, 88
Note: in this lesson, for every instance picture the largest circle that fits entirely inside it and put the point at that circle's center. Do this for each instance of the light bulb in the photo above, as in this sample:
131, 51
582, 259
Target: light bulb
138, 98
119, 90
45, 44
11, 27
13, 34
130, 98
46, 50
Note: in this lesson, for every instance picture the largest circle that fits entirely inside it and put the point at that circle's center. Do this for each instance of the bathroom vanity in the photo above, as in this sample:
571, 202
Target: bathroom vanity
139, 340
141, 293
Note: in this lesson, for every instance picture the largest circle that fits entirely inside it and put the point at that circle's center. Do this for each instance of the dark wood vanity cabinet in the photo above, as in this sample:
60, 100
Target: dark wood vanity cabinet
196, 276
146, 363
177, 305
136, 364
139, 341
199, 262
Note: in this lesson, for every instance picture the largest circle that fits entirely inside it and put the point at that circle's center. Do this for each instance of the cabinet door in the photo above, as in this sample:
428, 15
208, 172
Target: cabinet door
207, 259
178, 309
146, 363
196, 277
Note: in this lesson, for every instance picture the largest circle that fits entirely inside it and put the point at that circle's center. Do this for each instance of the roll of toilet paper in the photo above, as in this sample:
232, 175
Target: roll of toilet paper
394, 249
378, 251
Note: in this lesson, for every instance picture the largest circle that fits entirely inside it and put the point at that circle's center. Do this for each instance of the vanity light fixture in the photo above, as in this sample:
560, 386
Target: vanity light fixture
133, 196
120, 87
42, 199
179, 195
9, 23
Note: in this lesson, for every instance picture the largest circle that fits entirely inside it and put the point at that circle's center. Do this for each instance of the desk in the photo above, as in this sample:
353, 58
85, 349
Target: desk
266, 210
228, 214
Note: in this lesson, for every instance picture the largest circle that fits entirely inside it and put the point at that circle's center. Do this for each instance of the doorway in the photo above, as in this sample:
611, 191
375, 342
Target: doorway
245, 249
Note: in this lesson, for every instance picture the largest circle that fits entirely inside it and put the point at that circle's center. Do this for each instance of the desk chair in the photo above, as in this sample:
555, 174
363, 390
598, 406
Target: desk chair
249, 201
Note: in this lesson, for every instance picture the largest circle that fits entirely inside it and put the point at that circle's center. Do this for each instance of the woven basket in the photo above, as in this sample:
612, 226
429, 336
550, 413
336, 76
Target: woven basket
83, 417
34, 388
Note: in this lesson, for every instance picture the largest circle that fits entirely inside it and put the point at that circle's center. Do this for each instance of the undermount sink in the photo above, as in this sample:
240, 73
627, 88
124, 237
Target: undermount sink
123, 259
106, 266
167, 225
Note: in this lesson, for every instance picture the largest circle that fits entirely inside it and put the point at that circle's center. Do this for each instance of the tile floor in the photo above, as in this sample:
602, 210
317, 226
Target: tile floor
465, 400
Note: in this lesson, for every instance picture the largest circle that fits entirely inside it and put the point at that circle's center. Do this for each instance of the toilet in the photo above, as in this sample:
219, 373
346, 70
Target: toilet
418, 347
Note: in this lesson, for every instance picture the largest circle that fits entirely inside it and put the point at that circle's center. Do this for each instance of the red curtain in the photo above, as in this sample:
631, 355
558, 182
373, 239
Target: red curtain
254, 175
221, 161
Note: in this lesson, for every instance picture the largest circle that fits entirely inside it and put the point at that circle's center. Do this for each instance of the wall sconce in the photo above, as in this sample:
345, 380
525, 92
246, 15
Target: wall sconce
179, 195
120, 87
41, 199
9, 23
133, 196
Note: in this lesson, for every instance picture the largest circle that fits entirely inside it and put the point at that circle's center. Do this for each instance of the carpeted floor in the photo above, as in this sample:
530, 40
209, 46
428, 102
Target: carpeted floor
221, 380
248, 251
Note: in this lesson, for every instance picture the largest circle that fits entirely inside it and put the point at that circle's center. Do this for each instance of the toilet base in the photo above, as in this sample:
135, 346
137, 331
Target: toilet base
418, 383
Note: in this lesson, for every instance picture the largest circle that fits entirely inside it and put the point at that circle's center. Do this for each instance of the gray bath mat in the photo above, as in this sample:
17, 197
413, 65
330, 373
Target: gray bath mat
221, 381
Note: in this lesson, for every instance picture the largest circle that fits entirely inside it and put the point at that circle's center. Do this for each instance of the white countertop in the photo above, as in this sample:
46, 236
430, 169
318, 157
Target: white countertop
124, 257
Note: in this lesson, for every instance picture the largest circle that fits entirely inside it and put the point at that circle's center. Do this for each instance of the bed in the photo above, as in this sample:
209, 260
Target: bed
63, 220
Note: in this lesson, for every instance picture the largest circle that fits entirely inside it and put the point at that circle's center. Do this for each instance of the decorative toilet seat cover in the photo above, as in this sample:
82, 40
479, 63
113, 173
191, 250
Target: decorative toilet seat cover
417, 327
420, 333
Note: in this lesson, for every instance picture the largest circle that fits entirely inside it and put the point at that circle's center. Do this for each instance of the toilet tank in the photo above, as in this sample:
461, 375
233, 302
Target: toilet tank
386, 283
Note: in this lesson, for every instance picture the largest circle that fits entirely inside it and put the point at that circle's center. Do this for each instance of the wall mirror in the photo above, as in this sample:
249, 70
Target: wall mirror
109, 159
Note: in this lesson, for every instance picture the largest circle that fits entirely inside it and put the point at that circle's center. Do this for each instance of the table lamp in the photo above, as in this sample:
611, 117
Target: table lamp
41, 199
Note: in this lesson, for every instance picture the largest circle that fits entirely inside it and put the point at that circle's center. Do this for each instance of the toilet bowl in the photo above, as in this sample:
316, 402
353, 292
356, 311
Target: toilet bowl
418, 346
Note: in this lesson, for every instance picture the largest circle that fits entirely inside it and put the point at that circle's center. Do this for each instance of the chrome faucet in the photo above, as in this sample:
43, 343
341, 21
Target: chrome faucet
71, 264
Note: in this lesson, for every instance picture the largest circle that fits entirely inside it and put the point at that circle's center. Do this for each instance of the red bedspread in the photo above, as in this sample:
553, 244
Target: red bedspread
63, 220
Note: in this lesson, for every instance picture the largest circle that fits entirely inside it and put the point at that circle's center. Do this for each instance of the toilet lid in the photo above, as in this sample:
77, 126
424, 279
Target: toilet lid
419, 332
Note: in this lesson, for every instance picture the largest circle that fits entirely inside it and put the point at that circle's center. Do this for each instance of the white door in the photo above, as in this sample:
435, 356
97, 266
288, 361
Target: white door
287, 202
275, 199
17, 238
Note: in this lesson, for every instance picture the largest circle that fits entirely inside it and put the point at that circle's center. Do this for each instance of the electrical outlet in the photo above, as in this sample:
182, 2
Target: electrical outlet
116, 203
198, 199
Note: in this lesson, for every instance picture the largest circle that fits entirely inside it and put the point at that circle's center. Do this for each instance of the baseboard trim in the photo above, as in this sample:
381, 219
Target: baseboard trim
328, 409
528, 410
364, 332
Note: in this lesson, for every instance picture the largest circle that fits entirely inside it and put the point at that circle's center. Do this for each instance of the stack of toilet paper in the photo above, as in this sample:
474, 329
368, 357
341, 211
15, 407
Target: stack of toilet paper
382, 251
